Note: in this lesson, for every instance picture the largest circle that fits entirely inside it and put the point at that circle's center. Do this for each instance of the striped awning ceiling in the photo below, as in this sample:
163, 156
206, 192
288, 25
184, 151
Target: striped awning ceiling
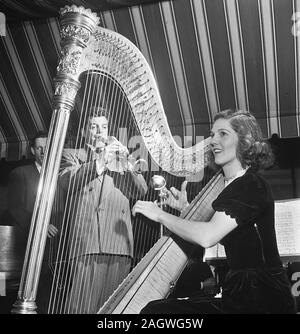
207, 55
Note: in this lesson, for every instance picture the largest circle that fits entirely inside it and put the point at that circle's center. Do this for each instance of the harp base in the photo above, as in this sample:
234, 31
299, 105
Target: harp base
24, 307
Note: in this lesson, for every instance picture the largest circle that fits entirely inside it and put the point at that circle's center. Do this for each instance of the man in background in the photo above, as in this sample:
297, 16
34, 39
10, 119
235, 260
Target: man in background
22, 191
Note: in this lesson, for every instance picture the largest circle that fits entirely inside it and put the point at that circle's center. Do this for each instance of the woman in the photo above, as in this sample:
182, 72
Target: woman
243, 222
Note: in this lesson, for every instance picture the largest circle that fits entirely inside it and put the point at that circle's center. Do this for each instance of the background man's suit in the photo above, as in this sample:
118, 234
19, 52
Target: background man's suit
22, 191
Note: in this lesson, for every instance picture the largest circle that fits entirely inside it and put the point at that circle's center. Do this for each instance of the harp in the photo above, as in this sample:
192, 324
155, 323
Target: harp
96, 52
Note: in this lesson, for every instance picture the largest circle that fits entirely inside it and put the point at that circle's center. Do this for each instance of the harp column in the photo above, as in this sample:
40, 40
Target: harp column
77, 25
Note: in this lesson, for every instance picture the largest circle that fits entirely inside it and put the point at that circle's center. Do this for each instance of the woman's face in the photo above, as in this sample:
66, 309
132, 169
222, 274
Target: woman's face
224, 141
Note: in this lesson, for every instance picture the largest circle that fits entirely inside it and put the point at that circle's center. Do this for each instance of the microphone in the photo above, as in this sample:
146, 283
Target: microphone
159, 183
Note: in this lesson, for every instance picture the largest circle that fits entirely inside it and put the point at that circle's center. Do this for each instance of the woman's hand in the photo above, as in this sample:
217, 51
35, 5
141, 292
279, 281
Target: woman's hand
148, 209
177, 199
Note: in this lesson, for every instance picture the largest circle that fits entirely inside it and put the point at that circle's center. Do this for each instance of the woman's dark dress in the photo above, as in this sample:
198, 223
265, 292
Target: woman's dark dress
256, 281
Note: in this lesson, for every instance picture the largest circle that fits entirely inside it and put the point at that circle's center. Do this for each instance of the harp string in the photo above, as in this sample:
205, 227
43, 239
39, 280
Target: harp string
87, 258
71, 197
124, 113
60, 270
103, 89
117, 103
82, 211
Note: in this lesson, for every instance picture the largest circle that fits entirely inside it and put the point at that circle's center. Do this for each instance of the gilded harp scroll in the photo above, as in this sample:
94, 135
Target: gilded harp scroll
113, 75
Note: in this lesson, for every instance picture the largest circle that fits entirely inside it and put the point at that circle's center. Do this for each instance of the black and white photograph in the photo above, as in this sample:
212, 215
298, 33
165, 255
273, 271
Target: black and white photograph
150, 161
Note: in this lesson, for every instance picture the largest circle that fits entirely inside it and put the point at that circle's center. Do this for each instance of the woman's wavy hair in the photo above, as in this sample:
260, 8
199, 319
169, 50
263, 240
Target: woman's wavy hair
252, 150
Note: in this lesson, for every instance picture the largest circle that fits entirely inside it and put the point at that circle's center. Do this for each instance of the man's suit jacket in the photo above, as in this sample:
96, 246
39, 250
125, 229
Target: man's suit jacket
100, 216
22, 190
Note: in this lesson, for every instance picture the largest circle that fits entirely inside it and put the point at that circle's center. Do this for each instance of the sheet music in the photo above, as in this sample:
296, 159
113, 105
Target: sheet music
287, 225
